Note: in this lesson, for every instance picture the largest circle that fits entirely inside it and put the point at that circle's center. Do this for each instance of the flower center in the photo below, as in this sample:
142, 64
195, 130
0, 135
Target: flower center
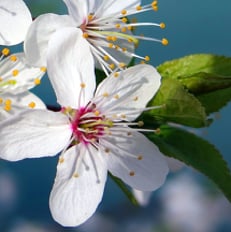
88, 124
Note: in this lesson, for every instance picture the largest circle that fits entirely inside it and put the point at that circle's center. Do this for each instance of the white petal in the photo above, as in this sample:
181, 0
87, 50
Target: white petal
111, 7
78, 10
135, 160
128, 92
39, 34
142, 197
25, 77
33, 134
15, 19
19, 103
70, 65
75, 198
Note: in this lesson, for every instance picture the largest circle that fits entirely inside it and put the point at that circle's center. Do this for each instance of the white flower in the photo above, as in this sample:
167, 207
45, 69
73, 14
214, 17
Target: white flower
103, 23
15, 19
16, 78
91, 130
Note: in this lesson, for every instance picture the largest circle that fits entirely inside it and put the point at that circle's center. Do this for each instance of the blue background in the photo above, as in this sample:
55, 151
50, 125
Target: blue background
192, 27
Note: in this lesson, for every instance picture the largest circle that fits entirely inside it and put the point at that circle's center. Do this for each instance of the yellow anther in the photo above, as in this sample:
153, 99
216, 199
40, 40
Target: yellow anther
117, 47
162, 25
43, 69
130, 28
155, 8
90, 17
147, 58
122, 65
61, 160
123, 12
75, 175
96, 113
7, 107
82, 85
105, 94
113, 38
132, 173
117, 96
116, 74
142, 62
13, 58
85, 35
5, 51
32, 105
140, 123
157, 131
15, 72
124, 20
108, 38
37, 81
1, 100
135, 98
106, 58
8, 102
123, 29
130, 40
117, 25
140, 157
139, 8
164, 41
124, 49
154, 3
110, 45
111, 66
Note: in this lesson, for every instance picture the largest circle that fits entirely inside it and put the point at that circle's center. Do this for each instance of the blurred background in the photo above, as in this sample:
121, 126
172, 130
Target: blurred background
188, 202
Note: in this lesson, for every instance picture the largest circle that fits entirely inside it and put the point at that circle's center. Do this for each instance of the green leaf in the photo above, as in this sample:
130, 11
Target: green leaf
179, 106
197, 63
195, 152
125, 189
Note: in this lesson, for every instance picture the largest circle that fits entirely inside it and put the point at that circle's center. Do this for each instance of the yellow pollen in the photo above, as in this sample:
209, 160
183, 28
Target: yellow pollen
164, 41
85, 35
7, 107
154, 3
116, 96
75, 175
61, 159
113, 38
108, 38
116, 74
110, 45
132, 173
82, 85
105, 94
124, 20
96, 113
7, 102
106, 58
32, 105
1, 100
117, 25
162, 25
123, 29
147, 58
123, 12
139, 8
37, 81
111, 66
43, 69
90, 17
15, 72
13, 58
122, 65
155, 8
130, 28
124, 49
5, 51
